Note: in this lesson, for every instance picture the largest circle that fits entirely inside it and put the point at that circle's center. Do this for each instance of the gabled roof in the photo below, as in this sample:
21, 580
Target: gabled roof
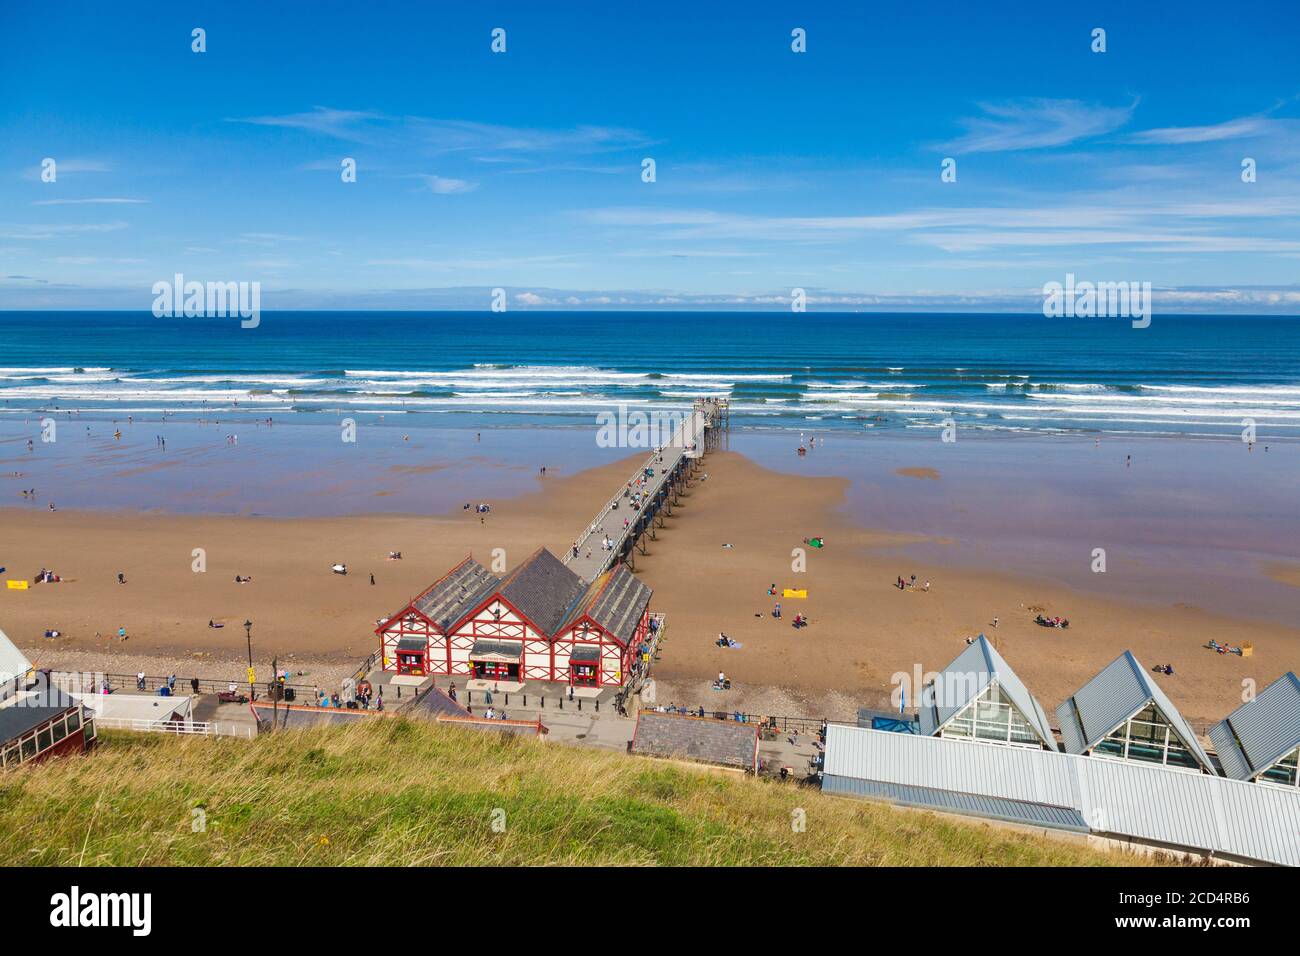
449, 598
616, 601
968, 676
1117, 693
1261, 732
543, 590
435, 703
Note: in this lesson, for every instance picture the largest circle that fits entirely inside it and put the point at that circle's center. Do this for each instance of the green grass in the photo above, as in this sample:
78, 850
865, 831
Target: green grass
398, 792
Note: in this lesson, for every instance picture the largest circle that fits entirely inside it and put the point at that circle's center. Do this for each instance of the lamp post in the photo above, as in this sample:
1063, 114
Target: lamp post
248, 633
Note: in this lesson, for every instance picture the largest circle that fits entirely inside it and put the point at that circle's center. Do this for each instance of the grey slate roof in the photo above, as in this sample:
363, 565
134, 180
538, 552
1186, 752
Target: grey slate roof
456, 594
1112, 697
585, 652
516, 728
412, 644
544, 590
1261, 732
435, 703
966, 678
299, 715
18, 719
725, 742
617, 601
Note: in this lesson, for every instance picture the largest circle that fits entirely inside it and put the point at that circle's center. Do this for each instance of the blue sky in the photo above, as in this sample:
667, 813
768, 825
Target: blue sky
775, 169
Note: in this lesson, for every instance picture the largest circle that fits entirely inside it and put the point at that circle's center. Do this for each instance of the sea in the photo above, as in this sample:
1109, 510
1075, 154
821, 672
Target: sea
1195, 376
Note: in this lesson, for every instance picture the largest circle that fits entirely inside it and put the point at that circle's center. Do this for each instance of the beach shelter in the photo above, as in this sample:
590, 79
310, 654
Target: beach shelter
1123, 713
1260, 740
979, 697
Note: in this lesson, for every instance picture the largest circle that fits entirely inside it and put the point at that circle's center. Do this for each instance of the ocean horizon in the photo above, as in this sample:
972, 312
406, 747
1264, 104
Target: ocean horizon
1204, 376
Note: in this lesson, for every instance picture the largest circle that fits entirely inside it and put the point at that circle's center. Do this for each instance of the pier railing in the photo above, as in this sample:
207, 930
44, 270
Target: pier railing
678, 441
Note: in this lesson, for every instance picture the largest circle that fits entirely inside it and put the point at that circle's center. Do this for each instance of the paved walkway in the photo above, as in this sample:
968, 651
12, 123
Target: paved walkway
592, 559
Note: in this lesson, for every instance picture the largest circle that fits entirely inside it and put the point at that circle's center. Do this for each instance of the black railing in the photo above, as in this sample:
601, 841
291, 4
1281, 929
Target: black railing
779, 724
184, 685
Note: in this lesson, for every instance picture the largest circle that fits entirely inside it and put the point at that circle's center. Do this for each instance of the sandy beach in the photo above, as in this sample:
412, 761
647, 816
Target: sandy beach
863, 629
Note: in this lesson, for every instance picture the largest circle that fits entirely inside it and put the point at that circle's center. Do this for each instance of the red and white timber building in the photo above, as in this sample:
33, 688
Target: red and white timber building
539, 622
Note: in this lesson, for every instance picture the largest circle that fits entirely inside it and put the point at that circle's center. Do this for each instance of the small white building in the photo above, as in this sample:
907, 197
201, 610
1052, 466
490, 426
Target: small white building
138, 712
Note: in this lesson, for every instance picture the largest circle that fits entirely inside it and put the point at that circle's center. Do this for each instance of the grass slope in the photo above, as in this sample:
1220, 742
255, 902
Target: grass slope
397, 792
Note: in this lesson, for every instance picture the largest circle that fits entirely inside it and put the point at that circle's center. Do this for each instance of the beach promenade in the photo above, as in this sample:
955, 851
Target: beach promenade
632, 511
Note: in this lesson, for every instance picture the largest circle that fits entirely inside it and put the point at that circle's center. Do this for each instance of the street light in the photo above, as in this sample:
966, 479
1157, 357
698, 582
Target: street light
248, 633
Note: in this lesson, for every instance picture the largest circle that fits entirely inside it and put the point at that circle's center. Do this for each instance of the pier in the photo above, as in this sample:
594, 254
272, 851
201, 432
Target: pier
649, 495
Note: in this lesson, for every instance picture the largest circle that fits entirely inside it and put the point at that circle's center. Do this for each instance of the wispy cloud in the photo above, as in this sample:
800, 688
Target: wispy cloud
1037, 124
99, 201
1243, 128
436, 135
71, 164
25, 232
1098, 219
445, 186
342, 124
266, 238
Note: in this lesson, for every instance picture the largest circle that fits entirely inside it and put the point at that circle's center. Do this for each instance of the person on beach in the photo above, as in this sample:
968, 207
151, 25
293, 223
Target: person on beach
776, 611
995, 622
194, 685
372, 579
121, 578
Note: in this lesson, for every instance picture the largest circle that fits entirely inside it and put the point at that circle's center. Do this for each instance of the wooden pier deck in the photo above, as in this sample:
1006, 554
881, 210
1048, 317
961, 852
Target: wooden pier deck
640, 504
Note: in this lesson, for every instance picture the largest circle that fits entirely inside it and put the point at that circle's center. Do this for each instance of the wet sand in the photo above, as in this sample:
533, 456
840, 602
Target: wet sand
863, 629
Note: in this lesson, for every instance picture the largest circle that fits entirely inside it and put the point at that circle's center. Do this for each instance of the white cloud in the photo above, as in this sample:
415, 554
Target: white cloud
25, 232
104, 201
444, 186
1246, 126
1037, 124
